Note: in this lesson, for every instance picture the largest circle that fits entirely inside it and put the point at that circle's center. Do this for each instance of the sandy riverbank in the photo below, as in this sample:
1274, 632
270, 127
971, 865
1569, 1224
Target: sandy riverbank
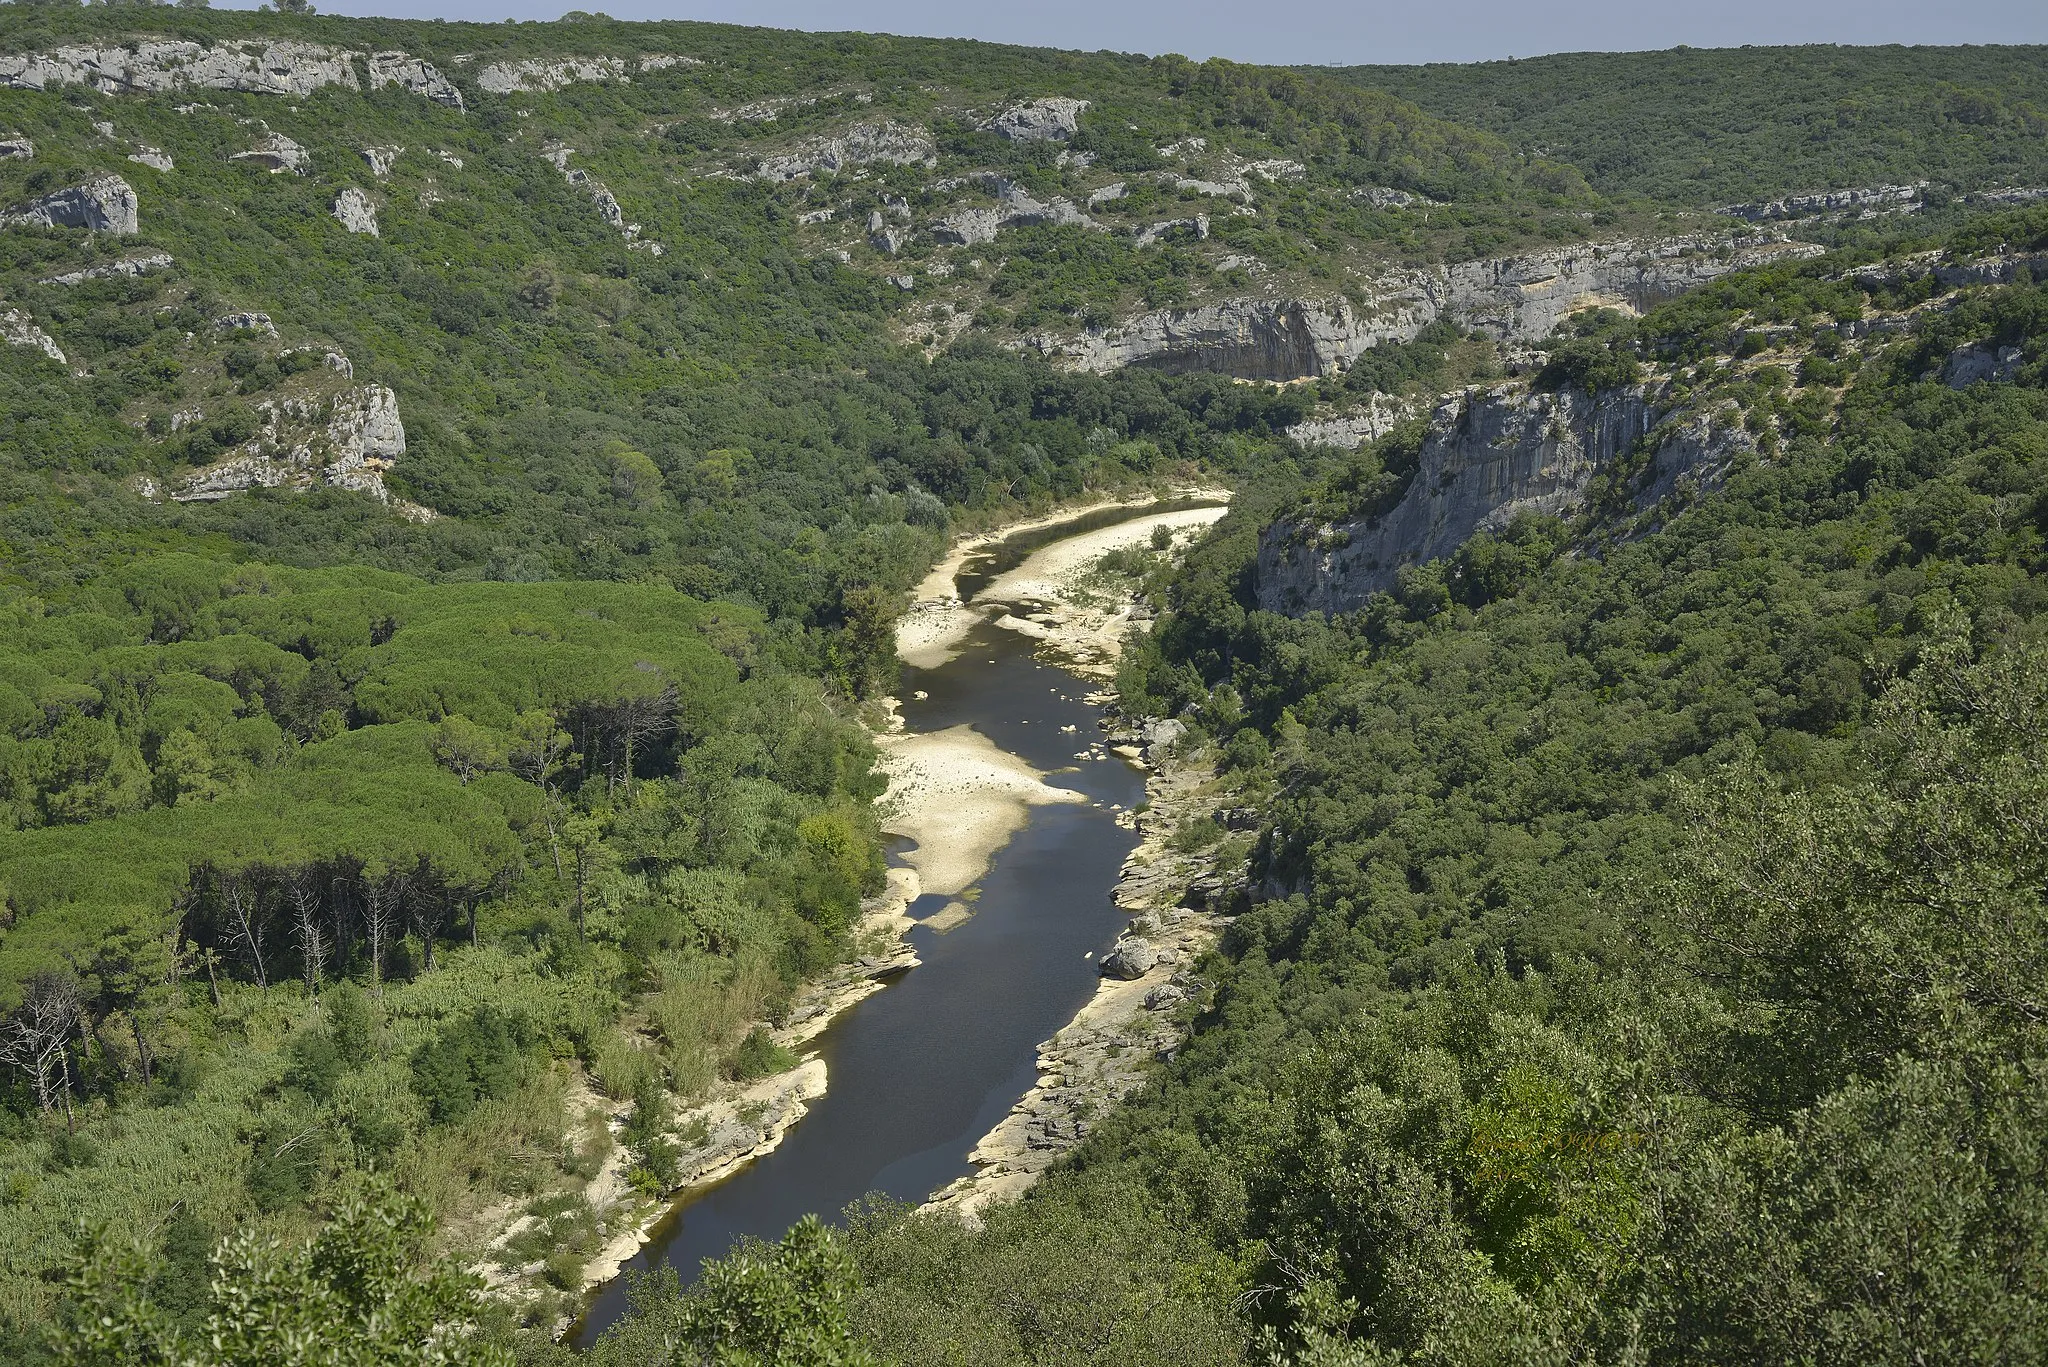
1103, 1054
931, 632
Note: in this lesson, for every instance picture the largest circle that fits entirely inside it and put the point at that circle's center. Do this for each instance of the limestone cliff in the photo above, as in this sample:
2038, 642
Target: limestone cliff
346, 438
1488, 455
1518, 298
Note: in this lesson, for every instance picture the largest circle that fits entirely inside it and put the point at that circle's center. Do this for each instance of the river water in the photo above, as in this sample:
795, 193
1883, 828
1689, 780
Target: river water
918, 1072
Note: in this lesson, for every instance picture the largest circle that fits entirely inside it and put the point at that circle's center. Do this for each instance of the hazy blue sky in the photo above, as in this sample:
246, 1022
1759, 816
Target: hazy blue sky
1335, 31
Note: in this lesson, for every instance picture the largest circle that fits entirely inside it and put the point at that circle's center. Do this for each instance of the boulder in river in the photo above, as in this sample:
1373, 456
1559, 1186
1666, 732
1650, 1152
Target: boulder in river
1130, 959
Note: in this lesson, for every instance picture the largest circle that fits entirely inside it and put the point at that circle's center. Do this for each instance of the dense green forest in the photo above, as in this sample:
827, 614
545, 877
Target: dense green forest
1640, 954
1730, 125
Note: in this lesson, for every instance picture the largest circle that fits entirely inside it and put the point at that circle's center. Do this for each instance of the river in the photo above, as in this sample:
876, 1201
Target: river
920, 1071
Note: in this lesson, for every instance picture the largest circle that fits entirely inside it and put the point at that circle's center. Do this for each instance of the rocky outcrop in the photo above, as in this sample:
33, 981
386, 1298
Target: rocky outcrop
141, 264
155, 158
1517, 298
277, 154
155, 66
1979, 363
1379, 415
1869, 197
1015, 207
410, 73
1488, 455
860, 145
538, 75
1196, 228
13, 147
18, 328
607, 204
1250, 339
382, 159
104, 204
1053, 118
247, 320
348, 440
1522, 298
355, 212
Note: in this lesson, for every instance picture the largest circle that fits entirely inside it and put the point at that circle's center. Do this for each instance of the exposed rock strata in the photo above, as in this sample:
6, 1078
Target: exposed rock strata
141, 264
277, 154
347, 440
104, 204
155, 158
16, 148
1015, 207
1379, 415
410, 73
1488, 455
1829, 202
154, 66
538, 75
1053, 118
1513, 298
382, 159
859, 145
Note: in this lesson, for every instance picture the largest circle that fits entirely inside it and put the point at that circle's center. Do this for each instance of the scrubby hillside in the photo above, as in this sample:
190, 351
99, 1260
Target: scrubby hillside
1754, 124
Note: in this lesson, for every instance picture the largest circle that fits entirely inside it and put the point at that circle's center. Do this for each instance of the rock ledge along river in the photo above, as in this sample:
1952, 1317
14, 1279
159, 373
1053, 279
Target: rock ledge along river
920, 1071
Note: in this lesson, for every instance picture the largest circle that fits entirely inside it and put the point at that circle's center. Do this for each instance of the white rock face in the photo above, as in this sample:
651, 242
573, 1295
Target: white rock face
382, 159
662, 61
1056, 117
1381, 414
410, 73
249, 321
1016, 208
355, 211
1196, 227
104, 204
16, 148
1489, 454
1520, 298
19, 329
157, 66
277, 154
359, 439
153, 157
542, 74
127, 265
1879, 197
860, 145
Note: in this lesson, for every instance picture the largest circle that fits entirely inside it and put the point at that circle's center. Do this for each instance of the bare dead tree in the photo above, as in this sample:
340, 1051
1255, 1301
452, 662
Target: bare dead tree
302, 891
537, 757
241, 895
381, 898
637, 720
37, 1038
